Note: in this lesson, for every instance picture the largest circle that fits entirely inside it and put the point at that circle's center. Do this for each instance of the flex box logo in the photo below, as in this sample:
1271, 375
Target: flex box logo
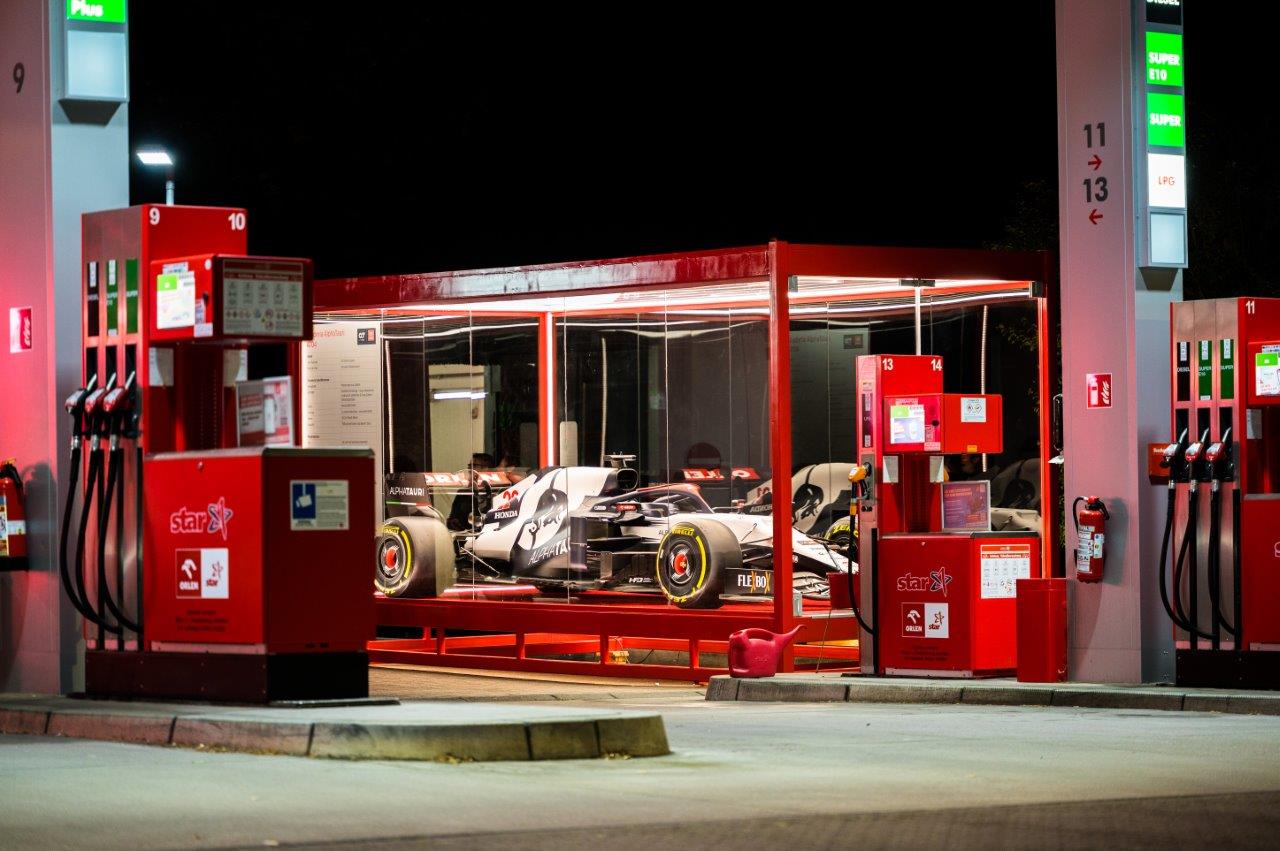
203, 574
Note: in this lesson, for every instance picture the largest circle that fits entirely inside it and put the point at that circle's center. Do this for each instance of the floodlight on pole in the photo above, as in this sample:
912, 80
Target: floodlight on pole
159, 158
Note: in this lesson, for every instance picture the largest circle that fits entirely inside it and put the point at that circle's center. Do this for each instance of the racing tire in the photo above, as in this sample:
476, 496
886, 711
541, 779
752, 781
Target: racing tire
692, 559
415, 557
841, 533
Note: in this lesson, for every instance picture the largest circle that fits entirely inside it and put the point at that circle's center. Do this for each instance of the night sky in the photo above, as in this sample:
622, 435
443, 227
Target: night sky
424, 141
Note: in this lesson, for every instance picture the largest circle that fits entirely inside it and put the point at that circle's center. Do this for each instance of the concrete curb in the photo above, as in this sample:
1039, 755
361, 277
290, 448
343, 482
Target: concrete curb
801, 688
575, 738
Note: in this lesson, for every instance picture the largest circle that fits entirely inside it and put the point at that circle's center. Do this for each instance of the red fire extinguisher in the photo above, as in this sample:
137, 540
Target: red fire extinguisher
1091, 535
13, 517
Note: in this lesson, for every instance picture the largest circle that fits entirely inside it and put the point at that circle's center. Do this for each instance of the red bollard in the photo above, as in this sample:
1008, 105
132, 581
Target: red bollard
1042, 630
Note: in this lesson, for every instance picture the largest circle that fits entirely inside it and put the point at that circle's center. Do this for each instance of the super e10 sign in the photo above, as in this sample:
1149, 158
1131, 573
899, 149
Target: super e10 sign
1164, 59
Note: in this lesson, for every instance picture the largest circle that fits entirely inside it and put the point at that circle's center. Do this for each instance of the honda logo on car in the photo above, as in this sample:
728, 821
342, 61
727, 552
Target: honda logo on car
214, 518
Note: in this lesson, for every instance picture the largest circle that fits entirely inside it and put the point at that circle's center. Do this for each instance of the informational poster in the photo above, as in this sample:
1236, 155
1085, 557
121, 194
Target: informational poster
342, 391
264, 412
966, 506
1002, 566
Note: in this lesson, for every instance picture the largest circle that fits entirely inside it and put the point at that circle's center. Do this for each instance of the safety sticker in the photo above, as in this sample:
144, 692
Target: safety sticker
4, 528
319, 505
973, 409
203, 573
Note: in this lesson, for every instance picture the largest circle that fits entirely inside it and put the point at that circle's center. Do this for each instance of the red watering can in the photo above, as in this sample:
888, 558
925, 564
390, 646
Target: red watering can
756, 652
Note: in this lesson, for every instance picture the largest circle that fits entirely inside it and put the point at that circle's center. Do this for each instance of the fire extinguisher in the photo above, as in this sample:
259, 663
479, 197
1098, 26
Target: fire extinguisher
1091, 535
13, 517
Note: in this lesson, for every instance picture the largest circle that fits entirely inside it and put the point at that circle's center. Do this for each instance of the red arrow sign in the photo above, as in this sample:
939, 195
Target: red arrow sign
1096, 162
1094, 216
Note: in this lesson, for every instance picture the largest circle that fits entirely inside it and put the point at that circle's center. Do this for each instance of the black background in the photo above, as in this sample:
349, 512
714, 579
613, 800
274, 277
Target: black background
383, 138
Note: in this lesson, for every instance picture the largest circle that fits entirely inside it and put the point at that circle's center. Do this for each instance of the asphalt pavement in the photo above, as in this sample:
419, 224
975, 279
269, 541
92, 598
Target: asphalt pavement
740, 775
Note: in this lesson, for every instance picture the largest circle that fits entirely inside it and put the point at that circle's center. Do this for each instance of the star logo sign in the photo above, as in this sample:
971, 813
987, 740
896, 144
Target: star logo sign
938, 578
219, 516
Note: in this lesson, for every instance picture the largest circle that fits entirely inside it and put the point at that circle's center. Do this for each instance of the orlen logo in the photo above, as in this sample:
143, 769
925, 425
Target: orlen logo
184, 521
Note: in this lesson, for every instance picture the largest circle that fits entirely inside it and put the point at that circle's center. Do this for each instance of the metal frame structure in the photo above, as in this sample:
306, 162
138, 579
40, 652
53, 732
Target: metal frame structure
600, 629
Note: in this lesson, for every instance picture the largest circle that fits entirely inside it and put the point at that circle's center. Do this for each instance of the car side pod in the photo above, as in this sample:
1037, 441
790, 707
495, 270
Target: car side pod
756, 652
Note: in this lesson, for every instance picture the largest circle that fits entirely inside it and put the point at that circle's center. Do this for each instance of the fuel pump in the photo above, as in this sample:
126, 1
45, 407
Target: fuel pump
938, 584
254, 586
1223, 598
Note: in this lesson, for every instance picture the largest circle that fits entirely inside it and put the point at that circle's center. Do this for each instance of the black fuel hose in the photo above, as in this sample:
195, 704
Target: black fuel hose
94, 616
1165, 540
853, 598
1215, 565
1215, 632
138, 531
104, 521
1182, 619
80, 605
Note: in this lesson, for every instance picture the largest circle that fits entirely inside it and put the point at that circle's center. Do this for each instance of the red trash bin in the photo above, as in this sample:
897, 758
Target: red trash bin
1042, 630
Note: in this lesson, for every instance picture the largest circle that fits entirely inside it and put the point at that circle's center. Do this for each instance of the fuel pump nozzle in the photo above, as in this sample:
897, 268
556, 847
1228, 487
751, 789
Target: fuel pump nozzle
75, 407
1194, 456
94, 421
1218, 459
1175, 460
116, 404
861, 475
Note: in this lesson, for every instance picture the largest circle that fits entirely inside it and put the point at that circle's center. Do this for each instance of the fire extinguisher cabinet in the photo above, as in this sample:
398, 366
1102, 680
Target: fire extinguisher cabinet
1042, 630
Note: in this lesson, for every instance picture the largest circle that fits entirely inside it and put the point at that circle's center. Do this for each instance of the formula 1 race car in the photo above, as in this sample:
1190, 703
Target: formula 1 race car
589, 528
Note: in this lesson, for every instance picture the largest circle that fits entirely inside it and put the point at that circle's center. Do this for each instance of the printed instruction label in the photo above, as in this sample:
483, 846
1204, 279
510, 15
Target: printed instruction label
319, 505
1002, 566
176, 297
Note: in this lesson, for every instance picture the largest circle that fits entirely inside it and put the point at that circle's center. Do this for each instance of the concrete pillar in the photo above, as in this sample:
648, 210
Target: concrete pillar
59, 157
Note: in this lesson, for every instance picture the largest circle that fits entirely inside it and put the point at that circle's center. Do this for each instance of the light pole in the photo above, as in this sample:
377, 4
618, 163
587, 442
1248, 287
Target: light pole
158, 157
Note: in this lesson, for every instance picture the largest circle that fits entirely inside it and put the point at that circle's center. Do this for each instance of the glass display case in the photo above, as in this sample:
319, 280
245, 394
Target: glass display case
583, 465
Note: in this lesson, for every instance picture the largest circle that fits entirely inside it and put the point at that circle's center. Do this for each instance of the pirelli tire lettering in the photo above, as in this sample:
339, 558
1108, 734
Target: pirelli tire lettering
415, 557
692, 561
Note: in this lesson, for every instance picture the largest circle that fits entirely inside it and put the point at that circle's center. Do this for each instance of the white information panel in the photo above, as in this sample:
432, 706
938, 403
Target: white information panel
342, 391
